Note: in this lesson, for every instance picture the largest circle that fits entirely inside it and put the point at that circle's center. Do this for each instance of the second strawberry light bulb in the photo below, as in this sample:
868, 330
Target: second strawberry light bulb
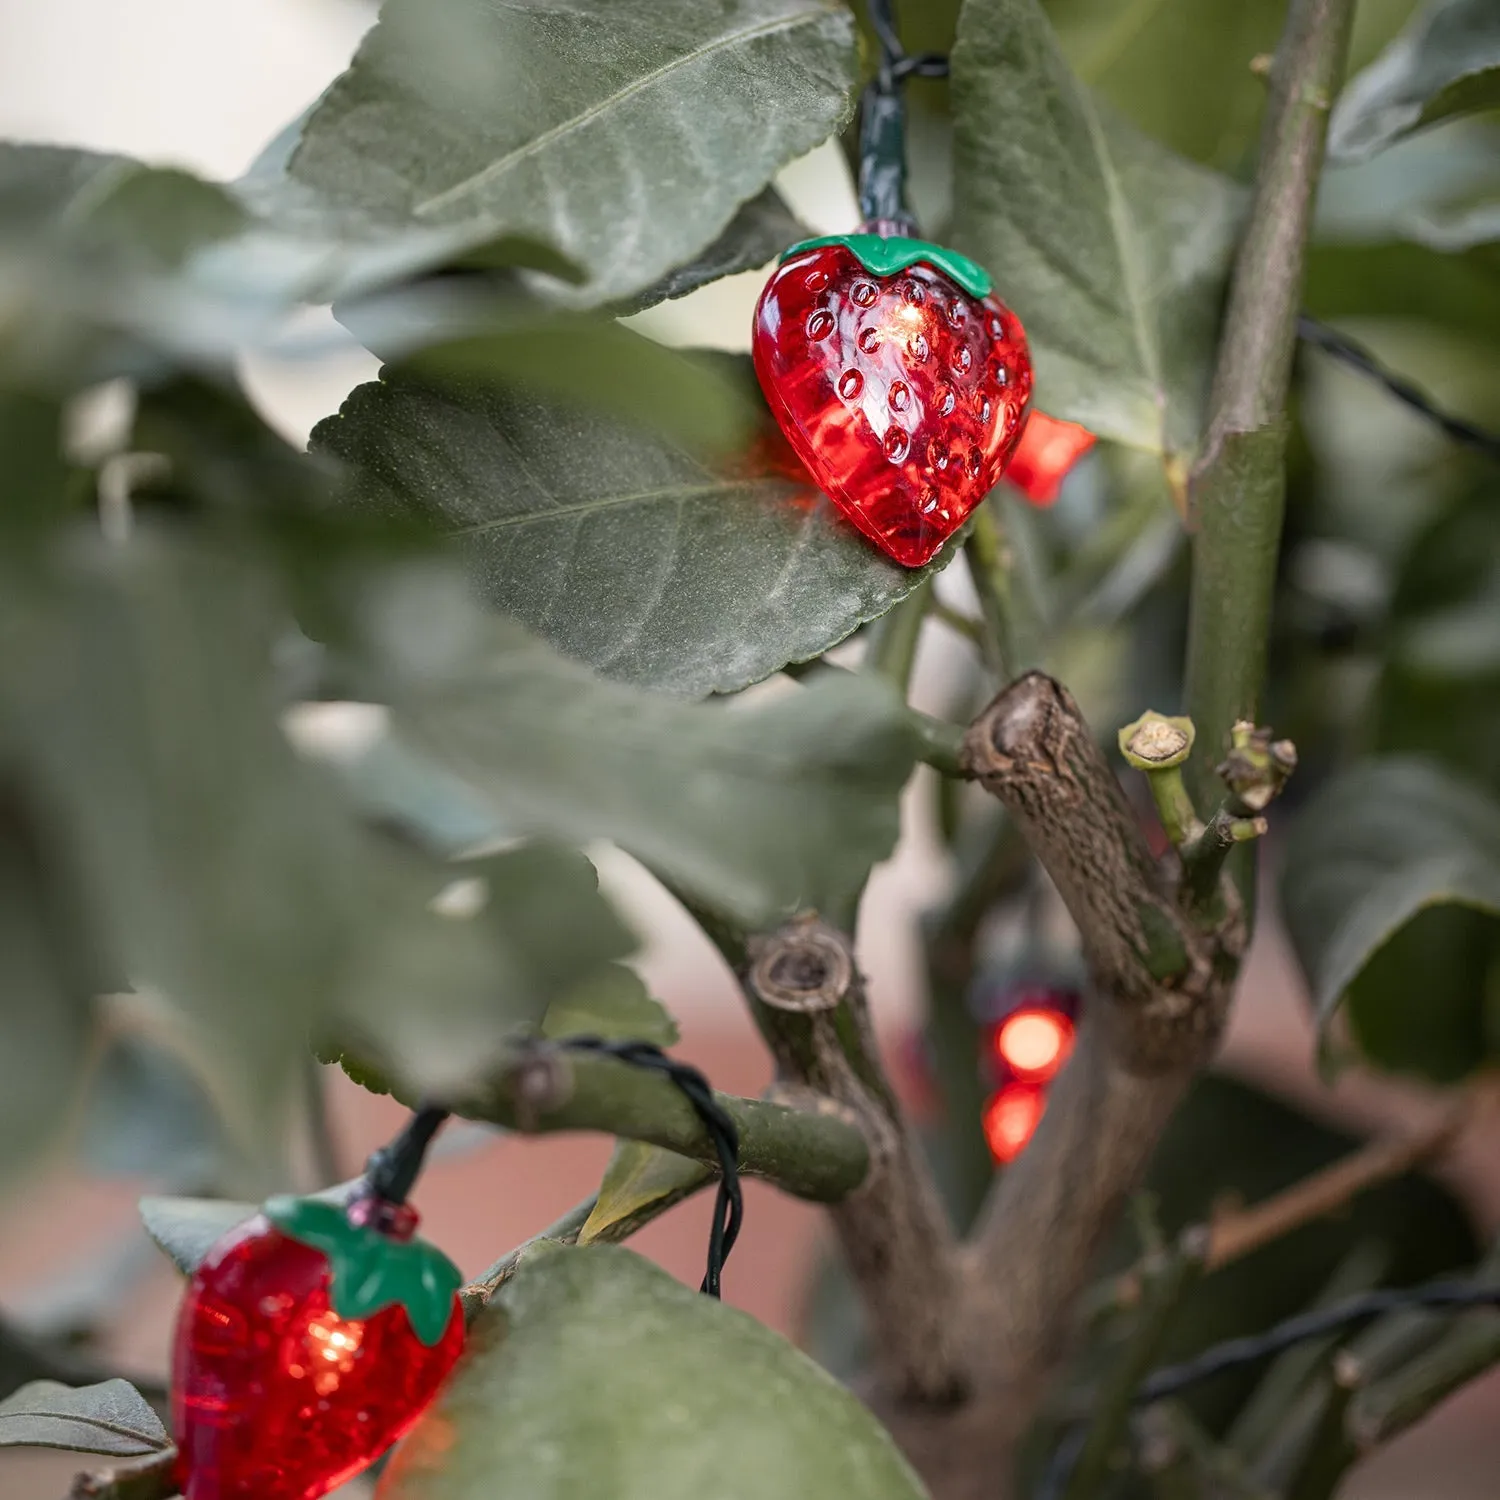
1029, 1034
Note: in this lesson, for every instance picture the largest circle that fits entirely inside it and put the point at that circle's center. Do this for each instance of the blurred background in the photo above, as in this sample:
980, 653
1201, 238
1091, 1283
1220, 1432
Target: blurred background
205, 86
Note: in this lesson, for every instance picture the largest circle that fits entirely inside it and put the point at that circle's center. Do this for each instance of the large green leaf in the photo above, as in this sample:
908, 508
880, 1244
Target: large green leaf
1112, 250
1177, 69
147, 1115
757, 234
623, 133
109, 266
1446, 62
228, 875
46, 989
1391, 892
111, 1417
186, 1229
201, 845
611, 1003
1439, 691
755, 811
625, 551
605, 1375
585, 365
1460, 292
100, 255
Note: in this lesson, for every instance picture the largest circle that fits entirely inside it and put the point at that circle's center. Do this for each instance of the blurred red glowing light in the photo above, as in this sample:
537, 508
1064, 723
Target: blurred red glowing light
1045, 456
1011, 1117
1034, 1043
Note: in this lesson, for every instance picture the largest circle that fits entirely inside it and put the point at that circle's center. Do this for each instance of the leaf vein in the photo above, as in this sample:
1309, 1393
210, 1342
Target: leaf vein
563, 128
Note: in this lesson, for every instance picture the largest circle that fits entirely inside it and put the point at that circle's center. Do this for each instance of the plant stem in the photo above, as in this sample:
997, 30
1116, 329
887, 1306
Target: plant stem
999, 868
1237, 487
1167, 1284
564, 1231
941, 743
892, 650
958, 622
147, 1479
1239, 1232
1204, 856
807, 996
990, 570
1388, 1407
818, 1155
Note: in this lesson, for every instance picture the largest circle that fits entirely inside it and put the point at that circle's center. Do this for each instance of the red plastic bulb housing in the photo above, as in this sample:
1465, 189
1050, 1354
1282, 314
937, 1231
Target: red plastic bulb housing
903, 391
279, 1392
1045, 456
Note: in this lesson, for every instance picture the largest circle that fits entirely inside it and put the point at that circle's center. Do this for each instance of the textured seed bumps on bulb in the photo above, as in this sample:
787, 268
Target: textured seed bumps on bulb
902, 382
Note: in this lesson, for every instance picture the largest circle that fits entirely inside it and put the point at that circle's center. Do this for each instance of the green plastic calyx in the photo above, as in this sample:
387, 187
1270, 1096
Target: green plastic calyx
370, 1271
884, 257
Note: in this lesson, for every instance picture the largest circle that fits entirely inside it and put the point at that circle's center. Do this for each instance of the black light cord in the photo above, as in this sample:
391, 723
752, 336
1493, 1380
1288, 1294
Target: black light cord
1349, 352
1169, 1380
882, 128
392, 1171
729, 1203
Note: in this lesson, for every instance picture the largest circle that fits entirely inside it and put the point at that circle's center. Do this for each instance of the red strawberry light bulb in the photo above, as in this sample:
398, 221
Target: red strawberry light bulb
897, 375
312, 1337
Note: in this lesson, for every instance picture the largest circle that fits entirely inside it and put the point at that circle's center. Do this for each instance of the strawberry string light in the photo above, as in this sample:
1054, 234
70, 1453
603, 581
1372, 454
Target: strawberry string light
1029, 1032
900, 378
312, 1337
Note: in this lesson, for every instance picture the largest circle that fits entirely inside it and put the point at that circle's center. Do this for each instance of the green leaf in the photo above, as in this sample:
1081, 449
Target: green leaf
1391, 890
713, 1400
111, 267
1461, 292
587, 365
229, 875
476, 957
623, 133
111, 1417
1439, 692
1231, 1142
1445, 63
103, 255
46, 992
612, 1003
148, 1115
640, 1182
758, 233
1112, 251
642, 560
369, 1271
1179, 70
754, 811
186, 1229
